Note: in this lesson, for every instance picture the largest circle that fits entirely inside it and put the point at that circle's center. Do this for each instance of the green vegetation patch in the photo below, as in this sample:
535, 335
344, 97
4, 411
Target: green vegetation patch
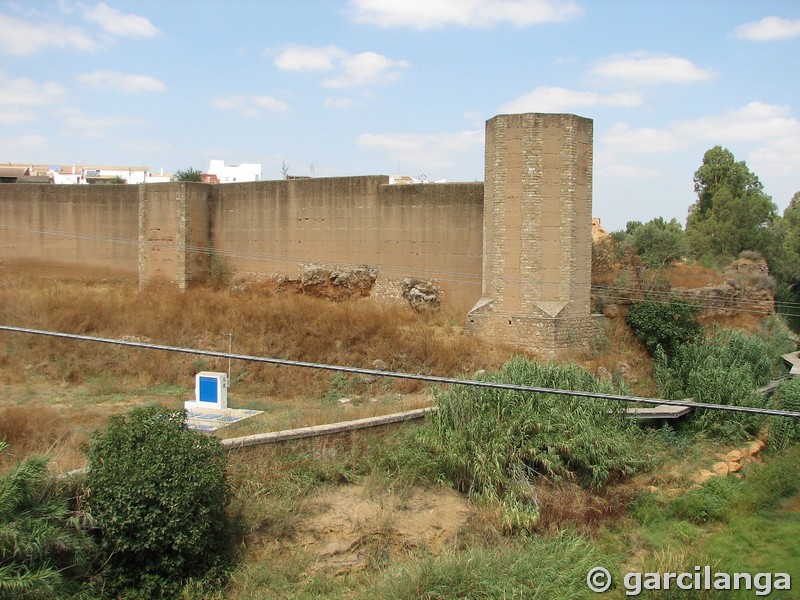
496, 444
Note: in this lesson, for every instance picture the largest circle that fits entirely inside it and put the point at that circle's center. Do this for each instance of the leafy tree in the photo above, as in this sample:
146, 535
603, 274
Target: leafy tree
662, 326
732, 212
784, 255
42, 555
158, 496
188, 174
658, 243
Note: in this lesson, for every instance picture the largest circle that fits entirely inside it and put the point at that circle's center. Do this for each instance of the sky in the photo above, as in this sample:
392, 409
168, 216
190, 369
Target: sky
334, 88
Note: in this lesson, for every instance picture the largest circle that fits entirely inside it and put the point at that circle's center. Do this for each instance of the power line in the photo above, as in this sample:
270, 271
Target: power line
408, 376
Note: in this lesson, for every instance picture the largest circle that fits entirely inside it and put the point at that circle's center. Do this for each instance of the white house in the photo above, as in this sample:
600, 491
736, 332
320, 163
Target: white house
83, 174
234, 173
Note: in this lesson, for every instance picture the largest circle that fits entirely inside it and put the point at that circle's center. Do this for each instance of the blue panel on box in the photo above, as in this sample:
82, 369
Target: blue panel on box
208, 390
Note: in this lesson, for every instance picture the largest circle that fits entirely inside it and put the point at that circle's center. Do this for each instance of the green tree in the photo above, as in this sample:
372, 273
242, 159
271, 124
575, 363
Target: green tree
658, 243
42, 555
188, 174
784, 255
732, 212
158, 497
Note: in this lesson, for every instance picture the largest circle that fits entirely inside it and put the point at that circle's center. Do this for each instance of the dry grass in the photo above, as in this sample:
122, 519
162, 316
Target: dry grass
693, 276
69, 388
568, 504
617, 353
77, 385
287, 326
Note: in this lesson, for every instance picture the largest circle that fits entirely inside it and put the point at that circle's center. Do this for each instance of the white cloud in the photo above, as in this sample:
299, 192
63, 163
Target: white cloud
755, 121
248, 105
622, 138
77, 123
423, 150
309, 58
20, 38
339, 102
778, 157
366, 68
556, 99
427, 14
770, 132
15, 116
270, 103
767, 135
642, 68
108, 80
23, 93
119, 24
622, 171
23, 145
768, 29
353, 70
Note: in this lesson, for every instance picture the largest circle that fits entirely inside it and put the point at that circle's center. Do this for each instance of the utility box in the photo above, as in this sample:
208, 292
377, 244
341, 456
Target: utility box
210, 391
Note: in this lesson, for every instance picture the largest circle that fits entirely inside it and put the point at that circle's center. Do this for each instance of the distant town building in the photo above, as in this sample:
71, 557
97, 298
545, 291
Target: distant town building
78, 174
408, 180
234, 173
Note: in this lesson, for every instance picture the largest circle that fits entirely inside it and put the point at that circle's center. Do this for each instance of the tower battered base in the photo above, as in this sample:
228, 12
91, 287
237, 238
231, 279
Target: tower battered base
543, 335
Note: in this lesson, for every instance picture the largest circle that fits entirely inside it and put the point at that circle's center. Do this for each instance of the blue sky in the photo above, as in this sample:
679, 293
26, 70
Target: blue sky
335, 88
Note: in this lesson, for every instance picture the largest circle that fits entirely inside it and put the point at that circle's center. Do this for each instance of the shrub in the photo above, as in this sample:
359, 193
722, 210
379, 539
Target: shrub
785, 431
723, 369
42, 554
767, 484
662, 325
158, 494
495, 443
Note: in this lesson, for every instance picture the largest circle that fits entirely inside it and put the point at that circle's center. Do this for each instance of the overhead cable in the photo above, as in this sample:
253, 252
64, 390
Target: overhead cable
408, 376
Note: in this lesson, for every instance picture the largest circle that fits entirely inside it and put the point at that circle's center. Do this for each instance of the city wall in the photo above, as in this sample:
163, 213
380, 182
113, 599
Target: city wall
516, 248
168, 232
72, 231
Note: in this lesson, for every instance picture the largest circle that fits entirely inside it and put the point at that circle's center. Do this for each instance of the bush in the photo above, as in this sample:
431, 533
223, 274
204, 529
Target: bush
662, 325
785, 431
42, 553
723, 369
496, 443
158, 494
767, 484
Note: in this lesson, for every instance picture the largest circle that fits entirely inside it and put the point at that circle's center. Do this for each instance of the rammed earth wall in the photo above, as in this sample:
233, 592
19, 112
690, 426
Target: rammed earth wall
517, 248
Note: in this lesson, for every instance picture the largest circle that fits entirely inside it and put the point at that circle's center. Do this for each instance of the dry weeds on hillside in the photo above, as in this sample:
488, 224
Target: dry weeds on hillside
288, 326
58, 376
